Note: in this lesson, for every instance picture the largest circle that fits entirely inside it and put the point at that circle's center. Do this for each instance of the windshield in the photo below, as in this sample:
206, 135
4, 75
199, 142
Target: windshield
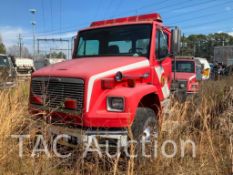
4, 62
130, 40
183, 66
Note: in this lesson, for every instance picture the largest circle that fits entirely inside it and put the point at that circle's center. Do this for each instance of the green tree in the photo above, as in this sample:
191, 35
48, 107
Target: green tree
2, 46
56, 55
203, 45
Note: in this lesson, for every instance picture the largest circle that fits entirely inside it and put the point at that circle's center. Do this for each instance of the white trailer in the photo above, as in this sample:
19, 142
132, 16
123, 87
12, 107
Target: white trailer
224, 55
24, 66
43, 62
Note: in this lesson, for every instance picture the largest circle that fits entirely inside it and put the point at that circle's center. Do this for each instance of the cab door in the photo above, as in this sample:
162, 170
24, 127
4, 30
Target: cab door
163, 62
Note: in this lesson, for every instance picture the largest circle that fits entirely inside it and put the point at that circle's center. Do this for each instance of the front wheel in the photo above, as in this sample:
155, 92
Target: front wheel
145, 125
144, 133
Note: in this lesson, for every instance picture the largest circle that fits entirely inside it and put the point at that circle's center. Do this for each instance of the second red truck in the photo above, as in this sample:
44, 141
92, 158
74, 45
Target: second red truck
187, 75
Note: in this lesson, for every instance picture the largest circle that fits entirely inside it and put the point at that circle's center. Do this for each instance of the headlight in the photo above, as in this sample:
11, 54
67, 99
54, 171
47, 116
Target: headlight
182, 85
115, 104
194, 86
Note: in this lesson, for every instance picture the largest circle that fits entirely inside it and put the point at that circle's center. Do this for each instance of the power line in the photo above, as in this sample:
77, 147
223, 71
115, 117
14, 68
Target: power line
119, 5
53, 40
20, 45
198, 10
51, 13
198, 17
143, 7
60, 10
108, 7
209, 22
133, 10
98, 9
43, 15
192, 5
71, 29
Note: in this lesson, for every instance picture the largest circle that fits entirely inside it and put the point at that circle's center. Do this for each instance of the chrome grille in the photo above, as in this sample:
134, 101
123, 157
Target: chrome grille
176, 85
55, 90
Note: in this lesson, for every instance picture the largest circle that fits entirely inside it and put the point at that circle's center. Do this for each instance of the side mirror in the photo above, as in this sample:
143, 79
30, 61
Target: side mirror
199, 73
176, 38
74, 40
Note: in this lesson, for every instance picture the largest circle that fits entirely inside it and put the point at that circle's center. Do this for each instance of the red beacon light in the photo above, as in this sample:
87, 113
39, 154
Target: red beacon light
140, 18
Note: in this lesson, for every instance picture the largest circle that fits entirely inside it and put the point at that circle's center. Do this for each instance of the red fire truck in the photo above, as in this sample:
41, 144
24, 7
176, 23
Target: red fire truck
119, 78
186, 75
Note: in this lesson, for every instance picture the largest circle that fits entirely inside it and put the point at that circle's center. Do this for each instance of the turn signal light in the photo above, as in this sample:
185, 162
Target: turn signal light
36, 99
107, 83
194, 86
131, 83
206, 72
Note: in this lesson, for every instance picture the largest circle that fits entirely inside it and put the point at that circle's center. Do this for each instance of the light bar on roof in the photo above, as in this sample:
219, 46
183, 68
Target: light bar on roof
147, 17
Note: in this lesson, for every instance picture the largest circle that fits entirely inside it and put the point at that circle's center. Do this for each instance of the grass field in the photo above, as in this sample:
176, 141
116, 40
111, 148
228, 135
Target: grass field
208, 121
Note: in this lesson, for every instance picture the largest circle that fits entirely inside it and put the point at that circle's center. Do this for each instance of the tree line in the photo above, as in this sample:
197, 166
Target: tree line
2, 46
203, 45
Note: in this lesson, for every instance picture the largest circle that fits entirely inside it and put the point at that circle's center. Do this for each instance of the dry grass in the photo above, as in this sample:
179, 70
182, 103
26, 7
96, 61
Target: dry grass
208, 121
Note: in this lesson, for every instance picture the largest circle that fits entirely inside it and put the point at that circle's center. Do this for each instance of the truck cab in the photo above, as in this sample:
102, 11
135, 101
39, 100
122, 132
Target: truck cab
187, 74
119, 78
7, 72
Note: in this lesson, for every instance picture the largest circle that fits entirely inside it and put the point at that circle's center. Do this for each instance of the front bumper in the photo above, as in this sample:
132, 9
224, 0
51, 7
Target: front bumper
77, 136
95, 119
192, 92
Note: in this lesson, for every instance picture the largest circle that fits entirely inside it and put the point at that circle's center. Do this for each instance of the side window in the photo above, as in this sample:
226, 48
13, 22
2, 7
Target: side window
161, 44
88, 47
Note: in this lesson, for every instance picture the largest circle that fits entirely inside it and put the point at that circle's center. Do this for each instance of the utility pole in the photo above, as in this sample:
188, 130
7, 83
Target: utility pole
33, 23
194, 48
182, 46
20, 45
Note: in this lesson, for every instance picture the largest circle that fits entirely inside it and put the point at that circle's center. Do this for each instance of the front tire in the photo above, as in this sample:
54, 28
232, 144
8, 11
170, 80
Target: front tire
145, 124
144, 132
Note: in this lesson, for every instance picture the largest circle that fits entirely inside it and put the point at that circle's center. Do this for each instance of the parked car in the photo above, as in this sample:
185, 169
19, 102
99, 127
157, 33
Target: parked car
7, 72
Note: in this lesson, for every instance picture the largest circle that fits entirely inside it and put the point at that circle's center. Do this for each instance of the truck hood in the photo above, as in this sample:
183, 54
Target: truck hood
4, 71
89, 66
183, 76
